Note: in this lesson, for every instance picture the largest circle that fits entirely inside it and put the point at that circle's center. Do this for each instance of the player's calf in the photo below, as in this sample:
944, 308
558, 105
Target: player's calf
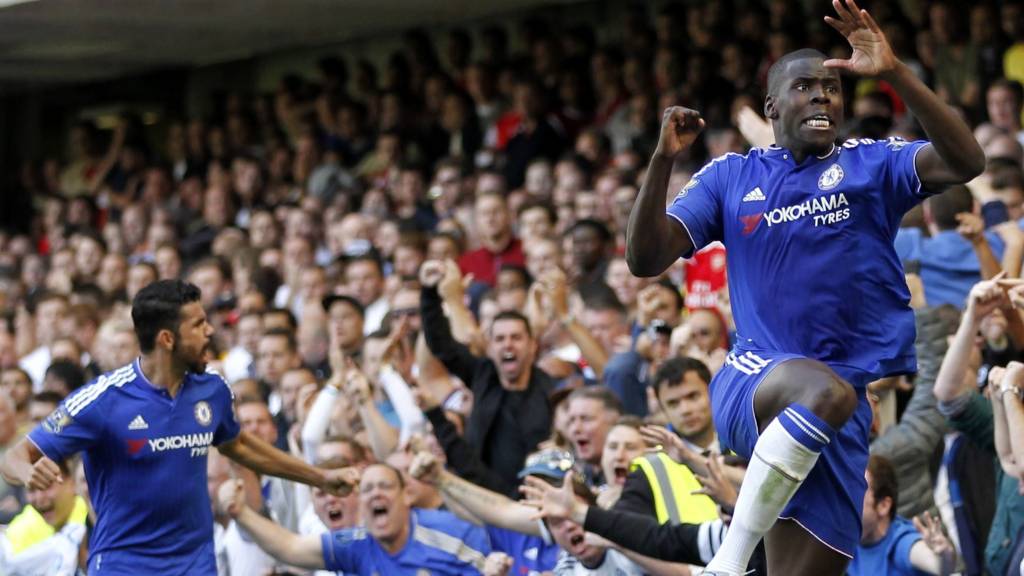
785, 452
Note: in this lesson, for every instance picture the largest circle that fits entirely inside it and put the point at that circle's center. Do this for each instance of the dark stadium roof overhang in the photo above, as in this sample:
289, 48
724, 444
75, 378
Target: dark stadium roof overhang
45, 42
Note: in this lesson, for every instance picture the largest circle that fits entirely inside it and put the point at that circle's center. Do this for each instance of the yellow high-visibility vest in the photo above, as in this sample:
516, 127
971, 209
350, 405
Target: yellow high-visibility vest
672, 484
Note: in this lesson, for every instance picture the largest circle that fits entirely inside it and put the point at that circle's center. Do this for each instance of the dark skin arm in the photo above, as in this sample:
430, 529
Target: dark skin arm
253, 453
953, 157
654, 240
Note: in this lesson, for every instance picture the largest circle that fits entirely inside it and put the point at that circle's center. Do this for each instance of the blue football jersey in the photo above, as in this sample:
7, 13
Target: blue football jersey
811, 264
439, 543
145, 463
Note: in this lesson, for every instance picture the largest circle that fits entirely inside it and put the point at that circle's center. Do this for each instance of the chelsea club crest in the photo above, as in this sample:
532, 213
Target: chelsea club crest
830, 178
203, 413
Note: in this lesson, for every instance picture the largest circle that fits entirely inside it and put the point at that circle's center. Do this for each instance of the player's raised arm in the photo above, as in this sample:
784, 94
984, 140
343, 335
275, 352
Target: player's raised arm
25, 465
954, 156
653, 240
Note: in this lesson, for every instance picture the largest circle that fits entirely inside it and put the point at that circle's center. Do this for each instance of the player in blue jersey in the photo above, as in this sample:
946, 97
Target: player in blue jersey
145, 430
817, 291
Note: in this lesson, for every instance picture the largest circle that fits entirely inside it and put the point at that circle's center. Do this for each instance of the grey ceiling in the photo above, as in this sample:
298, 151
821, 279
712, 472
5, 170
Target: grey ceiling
53, 41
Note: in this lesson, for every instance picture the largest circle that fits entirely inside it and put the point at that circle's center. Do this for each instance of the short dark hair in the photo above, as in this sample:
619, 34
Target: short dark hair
331, 299
358, 450
534, 204
599, 296
514, 315
288, 335
1012, 86
630, 421
288, 315
945, 206
370, 256
158, 307
47, 397
884, 483
596, 225
673, 371
602, 394
777, 69
68, 372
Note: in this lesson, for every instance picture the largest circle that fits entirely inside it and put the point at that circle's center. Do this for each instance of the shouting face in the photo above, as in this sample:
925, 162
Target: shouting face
805, 104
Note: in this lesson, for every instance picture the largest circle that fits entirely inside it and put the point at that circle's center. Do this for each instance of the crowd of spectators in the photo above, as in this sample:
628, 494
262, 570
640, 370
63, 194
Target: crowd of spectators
416, 271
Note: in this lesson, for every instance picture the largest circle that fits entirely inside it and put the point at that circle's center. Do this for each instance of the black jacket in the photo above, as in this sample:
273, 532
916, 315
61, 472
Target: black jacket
504, 427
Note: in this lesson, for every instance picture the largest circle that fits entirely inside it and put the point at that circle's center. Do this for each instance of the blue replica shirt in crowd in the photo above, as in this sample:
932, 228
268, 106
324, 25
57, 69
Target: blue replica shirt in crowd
145, 463
890, 555
812, 268
439, 543
531, 555
949, 266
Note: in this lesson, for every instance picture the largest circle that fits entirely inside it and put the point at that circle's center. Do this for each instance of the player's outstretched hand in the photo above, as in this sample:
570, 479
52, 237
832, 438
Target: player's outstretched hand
341, 481
679, 128
43, 474
872, 54
231, 497
425, 467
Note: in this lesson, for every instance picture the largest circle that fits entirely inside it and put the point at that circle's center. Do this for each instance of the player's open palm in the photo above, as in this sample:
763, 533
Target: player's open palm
872, 54
679, 128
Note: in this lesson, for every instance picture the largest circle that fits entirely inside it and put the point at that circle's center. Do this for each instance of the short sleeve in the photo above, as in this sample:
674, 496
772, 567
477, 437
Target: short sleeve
901, 168
227, 427
901, 550
340, 549
698, 206
73, 427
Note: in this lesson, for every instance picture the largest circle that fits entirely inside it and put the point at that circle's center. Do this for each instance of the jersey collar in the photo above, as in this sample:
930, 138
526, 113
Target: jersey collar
775, 150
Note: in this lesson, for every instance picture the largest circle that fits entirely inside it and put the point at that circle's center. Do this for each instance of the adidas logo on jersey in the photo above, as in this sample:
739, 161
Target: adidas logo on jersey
754, 195
138, 424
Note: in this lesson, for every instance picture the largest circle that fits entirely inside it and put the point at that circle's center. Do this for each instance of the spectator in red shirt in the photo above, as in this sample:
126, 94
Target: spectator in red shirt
498, 246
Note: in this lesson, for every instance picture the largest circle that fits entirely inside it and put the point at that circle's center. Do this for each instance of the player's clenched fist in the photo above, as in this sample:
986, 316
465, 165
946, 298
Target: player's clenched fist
43, 474
231, 497
679, 128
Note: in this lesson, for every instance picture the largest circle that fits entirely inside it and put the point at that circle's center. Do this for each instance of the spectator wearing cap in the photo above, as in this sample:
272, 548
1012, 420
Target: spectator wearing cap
510, 525
345, 319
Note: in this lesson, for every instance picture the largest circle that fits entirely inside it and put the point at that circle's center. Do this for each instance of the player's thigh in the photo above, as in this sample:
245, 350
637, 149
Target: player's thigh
809, 383
792, 551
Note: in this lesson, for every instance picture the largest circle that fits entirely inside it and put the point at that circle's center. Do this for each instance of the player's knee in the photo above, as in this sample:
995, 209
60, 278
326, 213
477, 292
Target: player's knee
832, 400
